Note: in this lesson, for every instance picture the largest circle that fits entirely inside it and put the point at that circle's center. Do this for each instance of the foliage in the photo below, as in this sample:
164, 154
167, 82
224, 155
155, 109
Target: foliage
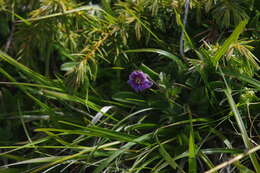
66, 105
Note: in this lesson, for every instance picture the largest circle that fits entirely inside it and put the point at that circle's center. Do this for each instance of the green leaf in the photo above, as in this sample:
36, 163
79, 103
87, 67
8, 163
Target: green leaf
27, 145
167, 157
235, 159
68, 97
144, 165
98, 131
128, 97
244, 78
160, 52
142, 126
243, 169
69, 157
122, 150
192, 148
30, 73
92, 131
206, 159
242, 129
231, 39
192, 154
149, 71
36, 160
76, 10
25, 90
19, 17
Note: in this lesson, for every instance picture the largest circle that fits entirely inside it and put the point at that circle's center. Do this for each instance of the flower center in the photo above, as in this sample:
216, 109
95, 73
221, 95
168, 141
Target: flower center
138, 80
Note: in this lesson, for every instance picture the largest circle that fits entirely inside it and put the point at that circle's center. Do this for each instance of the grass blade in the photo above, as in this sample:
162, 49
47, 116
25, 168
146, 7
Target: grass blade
192, 154
167, 157
65, 158
192, 148
36, 76
32, 144
83, 8
103, 165
242, 129
24, 89
235, 159
160, 52
244, 78
233, 37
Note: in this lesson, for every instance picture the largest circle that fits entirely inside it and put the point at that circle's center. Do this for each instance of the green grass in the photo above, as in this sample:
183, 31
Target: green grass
66, 105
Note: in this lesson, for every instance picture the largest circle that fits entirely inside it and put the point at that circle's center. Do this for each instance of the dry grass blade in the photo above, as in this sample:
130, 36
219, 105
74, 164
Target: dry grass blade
237, 158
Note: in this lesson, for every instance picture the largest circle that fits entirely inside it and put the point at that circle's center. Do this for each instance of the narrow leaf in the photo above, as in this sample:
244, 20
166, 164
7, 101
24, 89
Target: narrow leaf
104, 164
160, 52
167, 157
242, 129
231, 39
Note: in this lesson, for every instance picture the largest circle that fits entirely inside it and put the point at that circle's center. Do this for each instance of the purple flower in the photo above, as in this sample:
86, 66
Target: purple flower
139, 81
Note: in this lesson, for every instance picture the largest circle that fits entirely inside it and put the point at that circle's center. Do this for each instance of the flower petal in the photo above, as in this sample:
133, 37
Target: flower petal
139, 81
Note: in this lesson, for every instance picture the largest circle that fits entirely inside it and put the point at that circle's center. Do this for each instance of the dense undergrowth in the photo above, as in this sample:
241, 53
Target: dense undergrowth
67, 102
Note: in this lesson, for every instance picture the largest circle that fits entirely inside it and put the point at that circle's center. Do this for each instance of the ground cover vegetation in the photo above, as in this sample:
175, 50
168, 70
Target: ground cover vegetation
129, 86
